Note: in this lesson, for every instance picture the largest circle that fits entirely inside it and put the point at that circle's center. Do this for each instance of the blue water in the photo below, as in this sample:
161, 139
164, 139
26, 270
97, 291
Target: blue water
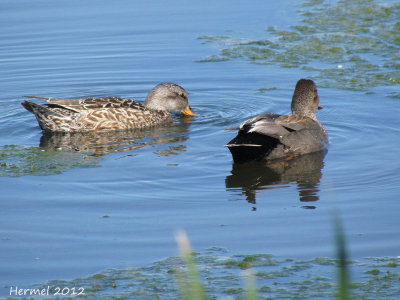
122, 207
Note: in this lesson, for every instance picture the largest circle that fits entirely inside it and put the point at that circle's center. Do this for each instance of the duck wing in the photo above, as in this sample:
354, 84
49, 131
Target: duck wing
278, 126
91, 103
265, 124
306, 136
295, 135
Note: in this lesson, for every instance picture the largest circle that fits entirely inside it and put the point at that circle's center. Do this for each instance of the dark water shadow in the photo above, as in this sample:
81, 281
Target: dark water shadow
101, 143
305, 171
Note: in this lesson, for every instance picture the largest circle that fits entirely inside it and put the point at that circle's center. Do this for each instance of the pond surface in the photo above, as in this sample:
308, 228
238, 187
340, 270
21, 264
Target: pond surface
71, 206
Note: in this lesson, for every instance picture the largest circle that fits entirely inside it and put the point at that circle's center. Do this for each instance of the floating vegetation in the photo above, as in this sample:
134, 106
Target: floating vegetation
263, 90
347, 44
223, 275
19, 161
211, 38
213, 58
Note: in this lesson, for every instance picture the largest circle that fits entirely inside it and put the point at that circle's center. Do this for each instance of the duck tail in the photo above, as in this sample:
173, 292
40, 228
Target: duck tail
246, 152
28, 106
43, 115
36, 109
250, 146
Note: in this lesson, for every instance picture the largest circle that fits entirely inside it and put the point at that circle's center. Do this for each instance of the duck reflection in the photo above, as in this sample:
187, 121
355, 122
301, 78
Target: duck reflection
305, 170
100, 143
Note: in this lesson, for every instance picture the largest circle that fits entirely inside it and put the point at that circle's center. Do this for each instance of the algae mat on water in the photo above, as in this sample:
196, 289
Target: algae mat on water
20, 161
223, 276
346, 44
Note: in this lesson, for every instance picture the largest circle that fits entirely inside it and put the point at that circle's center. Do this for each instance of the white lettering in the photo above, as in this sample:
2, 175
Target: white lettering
30, 292
14, 291
35, 292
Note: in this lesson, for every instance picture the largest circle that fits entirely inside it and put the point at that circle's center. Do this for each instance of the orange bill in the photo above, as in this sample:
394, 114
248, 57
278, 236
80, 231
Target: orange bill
188, 111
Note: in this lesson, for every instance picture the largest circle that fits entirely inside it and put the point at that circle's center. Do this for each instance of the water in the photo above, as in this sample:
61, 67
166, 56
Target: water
68, 213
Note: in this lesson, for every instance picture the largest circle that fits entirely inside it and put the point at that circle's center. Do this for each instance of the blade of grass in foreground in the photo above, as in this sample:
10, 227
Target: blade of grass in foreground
190, 286
343, 273
251, 288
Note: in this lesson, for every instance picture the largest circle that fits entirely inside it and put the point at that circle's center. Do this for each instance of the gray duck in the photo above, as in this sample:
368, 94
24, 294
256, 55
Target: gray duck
110, 113
272, 136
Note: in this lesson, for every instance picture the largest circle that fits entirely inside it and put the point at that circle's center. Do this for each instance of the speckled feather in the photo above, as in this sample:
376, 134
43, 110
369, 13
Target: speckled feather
86, 114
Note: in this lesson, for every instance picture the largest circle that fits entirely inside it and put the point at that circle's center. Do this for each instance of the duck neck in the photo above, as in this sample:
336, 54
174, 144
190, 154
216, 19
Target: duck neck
149, 105
310, 115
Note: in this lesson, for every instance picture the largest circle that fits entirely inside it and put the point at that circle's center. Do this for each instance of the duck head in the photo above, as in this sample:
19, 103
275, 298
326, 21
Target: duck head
170, 97
305, 101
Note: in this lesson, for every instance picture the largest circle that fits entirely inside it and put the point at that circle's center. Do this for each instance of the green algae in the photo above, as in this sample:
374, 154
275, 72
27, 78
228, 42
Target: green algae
248, 261
263, 90
222, 276
210, 38
213, 58
373, 272
18, 161
346, 45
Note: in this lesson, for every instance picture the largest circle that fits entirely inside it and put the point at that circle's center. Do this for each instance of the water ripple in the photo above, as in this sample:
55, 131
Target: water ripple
232, 109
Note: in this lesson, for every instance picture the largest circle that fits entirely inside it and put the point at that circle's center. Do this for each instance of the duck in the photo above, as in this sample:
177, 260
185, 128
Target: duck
110, 113
270, 137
